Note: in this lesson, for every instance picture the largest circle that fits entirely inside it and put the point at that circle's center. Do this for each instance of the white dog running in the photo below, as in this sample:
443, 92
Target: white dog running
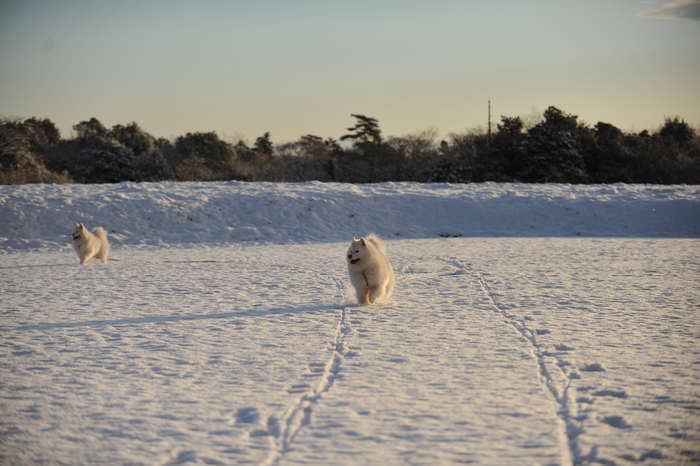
370, 270
89, 245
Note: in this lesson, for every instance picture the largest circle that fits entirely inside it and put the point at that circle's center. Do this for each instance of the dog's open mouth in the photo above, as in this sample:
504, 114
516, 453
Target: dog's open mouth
355, 261
76, 237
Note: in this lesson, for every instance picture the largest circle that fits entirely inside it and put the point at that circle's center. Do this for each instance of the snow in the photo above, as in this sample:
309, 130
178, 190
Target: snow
531, 324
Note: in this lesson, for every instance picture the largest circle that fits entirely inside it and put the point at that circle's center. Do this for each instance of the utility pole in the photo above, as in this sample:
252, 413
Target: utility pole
489, 133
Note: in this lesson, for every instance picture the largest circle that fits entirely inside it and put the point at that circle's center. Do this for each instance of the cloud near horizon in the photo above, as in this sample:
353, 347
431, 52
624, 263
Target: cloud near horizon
686, 9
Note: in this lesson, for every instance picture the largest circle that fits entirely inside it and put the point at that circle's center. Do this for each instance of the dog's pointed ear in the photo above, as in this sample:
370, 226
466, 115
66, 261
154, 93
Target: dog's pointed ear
354, 240
363, 241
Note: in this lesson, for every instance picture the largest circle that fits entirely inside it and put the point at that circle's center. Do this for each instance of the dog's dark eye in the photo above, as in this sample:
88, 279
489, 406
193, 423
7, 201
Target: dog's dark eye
357, 251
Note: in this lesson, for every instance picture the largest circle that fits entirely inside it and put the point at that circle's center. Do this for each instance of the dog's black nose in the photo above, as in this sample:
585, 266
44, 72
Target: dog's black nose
349, 256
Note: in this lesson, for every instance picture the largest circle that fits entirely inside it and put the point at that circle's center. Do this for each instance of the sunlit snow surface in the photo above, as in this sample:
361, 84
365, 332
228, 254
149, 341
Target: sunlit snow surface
201, 346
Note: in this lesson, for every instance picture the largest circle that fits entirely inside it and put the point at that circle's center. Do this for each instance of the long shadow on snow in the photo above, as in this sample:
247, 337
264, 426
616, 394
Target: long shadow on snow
181, 318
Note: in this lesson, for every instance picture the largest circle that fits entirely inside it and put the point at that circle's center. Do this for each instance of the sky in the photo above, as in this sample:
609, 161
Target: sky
244, 68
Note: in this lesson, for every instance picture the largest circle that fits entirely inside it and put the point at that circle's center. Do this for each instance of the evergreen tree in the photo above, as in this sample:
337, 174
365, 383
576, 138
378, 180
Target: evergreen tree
133, 137
365, 130
205, 146
99, 155
91, 128
510, 127
552, 152
677, 131
606, 158
508, 151
205, 157
23, 145
370, 160
263, 146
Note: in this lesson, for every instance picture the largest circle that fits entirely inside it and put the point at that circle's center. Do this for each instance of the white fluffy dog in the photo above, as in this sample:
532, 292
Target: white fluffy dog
370, 271
89, 245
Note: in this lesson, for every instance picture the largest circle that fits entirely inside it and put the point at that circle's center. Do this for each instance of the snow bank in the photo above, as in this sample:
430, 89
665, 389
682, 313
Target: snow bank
190, 213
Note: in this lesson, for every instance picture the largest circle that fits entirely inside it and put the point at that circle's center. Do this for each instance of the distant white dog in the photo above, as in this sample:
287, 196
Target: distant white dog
370, 270
89, 245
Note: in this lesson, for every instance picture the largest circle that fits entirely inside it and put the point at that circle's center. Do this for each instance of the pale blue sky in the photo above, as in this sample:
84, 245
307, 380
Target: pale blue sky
243, 68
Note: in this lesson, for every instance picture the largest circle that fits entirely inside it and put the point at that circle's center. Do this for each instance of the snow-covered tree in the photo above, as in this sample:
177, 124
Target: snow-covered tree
205, 157
23, 145
100, 155
551, 151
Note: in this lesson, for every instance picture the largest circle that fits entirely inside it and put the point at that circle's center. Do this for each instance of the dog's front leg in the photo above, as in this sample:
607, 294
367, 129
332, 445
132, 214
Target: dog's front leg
364, 298
375, 293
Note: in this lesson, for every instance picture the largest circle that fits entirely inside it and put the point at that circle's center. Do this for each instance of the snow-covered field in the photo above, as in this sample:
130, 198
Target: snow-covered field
531, 324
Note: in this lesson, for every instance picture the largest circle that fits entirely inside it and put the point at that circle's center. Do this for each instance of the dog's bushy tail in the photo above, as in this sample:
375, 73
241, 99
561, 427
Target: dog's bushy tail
100, 233
376, 242
104, 248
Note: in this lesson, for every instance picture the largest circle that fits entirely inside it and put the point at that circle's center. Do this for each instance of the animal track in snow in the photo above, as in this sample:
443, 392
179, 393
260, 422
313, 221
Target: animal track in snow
551, 373
556, 371
283, 431
592, 368
563, 347
612, 393
616, 421
298, 388
247, 415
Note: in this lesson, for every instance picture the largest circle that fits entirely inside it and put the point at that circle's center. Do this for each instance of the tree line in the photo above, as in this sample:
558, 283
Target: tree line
557, 148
